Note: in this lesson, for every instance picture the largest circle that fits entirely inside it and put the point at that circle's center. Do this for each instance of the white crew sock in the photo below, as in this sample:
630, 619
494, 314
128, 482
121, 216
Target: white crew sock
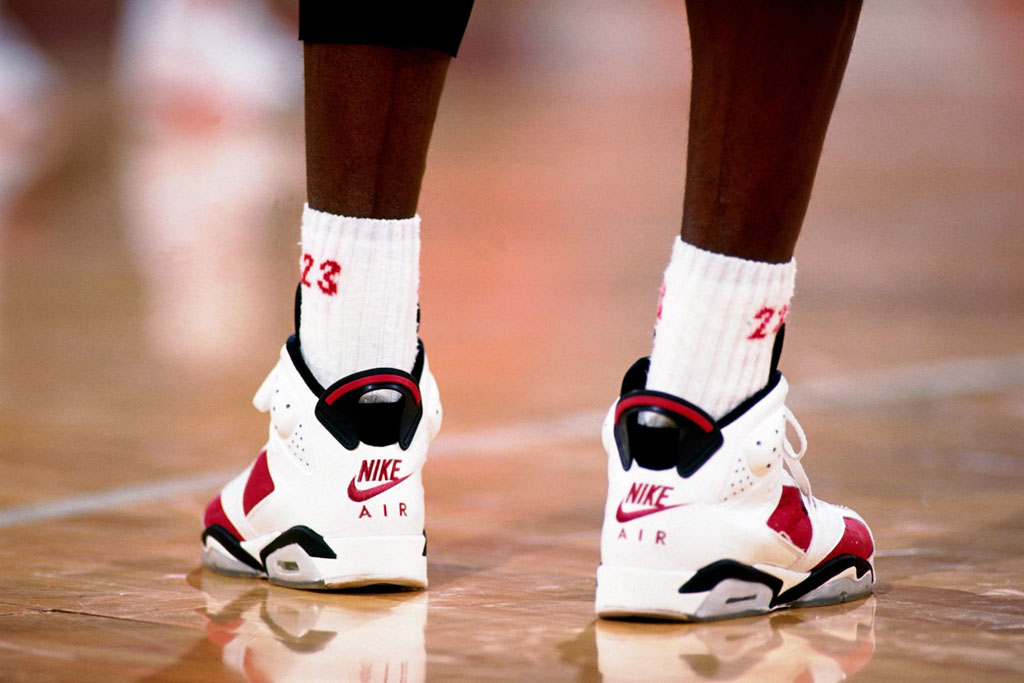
360, 289
716, 328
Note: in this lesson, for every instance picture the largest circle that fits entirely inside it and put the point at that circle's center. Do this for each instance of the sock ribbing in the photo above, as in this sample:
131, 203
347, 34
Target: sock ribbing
360, 282
716, 327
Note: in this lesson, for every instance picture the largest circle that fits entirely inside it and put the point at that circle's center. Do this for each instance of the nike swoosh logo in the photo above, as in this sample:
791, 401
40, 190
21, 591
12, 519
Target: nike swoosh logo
623, 516
358, 495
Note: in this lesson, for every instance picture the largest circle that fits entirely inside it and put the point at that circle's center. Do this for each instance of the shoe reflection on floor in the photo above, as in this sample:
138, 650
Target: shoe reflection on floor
267, 633
820, 645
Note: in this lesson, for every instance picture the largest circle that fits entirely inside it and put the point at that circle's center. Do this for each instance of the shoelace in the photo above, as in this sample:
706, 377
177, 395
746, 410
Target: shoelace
792, 456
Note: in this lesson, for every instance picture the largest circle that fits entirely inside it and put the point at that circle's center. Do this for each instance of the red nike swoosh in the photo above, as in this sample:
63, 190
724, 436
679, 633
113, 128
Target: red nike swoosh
623, 516
359, 495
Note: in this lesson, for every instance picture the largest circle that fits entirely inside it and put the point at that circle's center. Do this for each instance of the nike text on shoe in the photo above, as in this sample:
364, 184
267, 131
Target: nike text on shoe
335, 499
711, 519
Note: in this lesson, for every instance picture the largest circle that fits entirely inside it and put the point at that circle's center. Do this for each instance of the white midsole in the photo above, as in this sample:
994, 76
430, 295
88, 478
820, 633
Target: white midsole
359, 561
635, 591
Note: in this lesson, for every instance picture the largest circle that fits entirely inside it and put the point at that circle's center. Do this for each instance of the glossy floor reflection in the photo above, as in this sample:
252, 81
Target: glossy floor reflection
831, 644
147, 265
265, 633
268, 634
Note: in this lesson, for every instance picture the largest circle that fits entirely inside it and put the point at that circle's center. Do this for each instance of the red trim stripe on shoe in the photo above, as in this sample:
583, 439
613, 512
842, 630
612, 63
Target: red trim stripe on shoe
259, 485
215, 515
856, 541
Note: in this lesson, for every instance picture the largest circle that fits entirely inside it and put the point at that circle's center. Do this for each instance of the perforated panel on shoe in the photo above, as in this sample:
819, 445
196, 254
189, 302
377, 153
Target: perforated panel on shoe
762, 448
296, 444
759, 455
286, 420
740, 479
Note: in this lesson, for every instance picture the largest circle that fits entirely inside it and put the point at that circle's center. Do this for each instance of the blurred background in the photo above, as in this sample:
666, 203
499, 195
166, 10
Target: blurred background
152, 179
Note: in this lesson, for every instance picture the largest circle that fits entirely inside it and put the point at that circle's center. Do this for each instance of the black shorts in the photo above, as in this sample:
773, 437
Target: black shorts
436, 24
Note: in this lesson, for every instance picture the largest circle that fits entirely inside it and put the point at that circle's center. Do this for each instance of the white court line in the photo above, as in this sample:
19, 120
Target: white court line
924, 381
903, 384
100, 501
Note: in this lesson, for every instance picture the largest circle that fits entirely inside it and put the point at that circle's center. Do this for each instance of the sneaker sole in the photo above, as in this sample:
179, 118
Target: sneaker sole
301, 558
727, 589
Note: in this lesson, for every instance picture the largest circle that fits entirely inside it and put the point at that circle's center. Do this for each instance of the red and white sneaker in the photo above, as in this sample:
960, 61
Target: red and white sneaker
703, 520
335, 499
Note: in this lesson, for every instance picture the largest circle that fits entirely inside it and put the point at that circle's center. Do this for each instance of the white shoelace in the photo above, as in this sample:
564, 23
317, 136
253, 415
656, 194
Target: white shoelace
792, 456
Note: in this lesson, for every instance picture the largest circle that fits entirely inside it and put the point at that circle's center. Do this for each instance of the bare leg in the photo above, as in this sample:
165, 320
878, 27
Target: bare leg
369, 115
370, 112
765, 79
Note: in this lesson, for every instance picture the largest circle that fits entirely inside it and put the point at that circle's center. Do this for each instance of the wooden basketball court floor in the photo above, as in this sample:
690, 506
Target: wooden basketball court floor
146, 275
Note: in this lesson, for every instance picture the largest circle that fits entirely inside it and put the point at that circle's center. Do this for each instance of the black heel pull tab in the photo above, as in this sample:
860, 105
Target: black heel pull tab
685, 437
352, 422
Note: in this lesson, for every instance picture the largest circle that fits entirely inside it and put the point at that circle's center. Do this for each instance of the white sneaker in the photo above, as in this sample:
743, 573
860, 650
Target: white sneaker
703, 520
335, 500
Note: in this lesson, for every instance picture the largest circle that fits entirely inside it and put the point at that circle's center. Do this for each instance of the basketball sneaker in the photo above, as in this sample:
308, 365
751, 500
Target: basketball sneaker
708, 519
335, 499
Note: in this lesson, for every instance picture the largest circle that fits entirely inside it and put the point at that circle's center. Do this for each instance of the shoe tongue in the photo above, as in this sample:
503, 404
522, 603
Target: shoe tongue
635, 378
659, 431
780, 337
